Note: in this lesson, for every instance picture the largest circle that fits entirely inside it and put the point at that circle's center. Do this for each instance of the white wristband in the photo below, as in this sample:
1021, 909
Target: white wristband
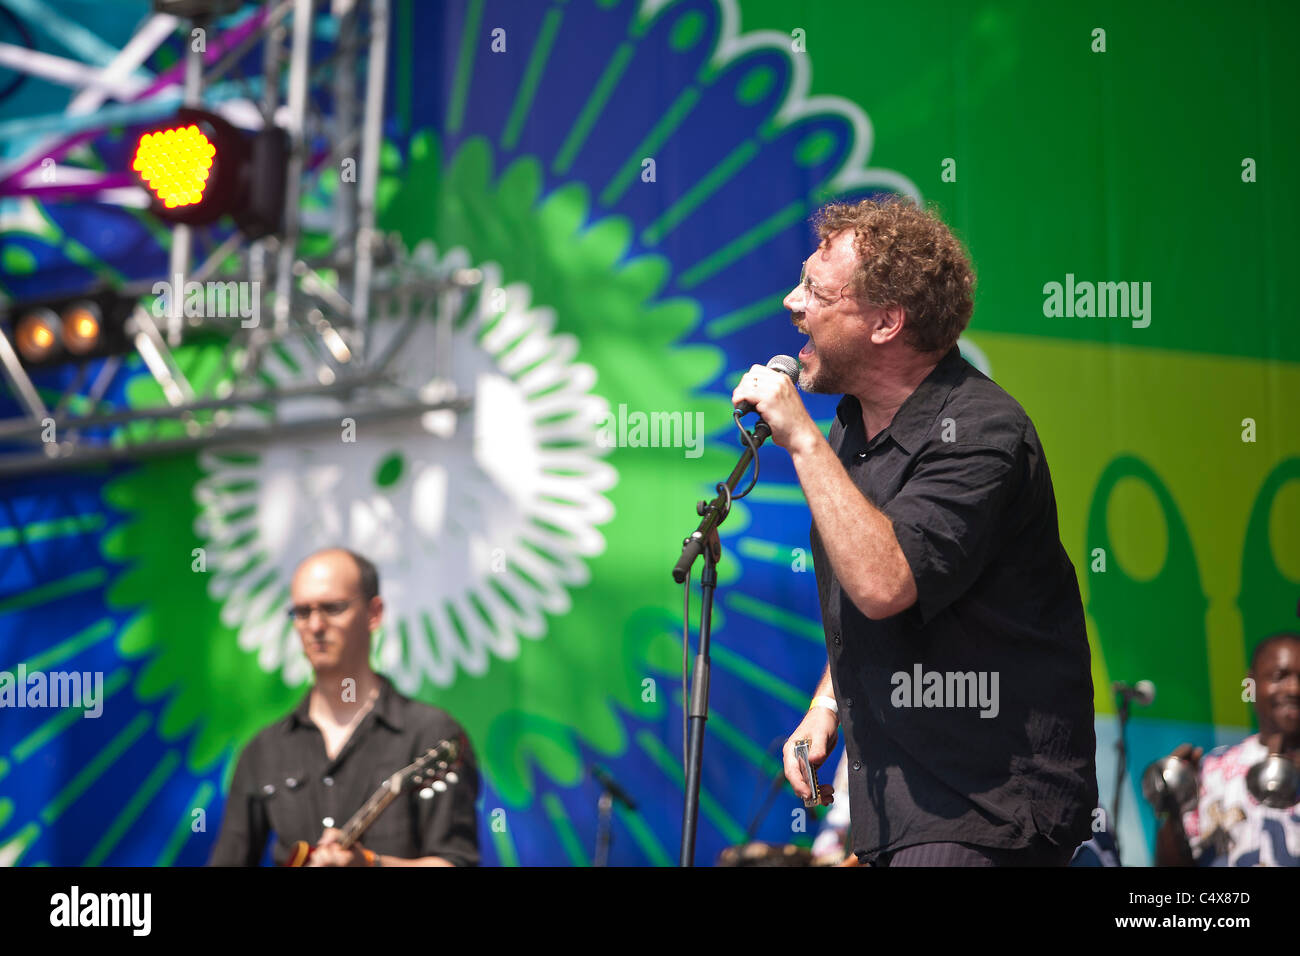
827, 702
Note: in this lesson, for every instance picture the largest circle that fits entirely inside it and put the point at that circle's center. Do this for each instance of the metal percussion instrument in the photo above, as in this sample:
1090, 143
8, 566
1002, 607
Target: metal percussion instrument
1170, 782
1274, 782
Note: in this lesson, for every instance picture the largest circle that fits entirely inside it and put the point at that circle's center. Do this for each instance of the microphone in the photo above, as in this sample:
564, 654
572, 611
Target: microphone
1142, 693
778, 363
715, 512
615, 791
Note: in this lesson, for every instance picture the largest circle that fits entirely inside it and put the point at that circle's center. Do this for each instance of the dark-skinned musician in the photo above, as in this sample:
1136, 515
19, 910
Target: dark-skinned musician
1228, 826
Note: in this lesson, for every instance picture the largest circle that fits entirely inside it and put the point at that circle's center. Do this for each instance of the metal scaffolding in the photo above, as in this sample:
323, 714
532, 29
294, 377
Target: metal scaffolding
320, 306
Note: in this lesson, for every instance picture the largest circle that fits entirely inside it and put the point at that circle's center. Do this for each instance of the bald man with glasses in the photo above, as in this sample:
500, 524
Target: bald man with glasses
302, 777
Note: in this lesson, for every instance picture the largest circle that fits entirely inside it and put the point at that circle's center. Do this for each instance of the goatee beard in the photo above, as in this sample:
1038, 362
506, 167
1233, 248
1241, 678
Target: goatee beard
820, 383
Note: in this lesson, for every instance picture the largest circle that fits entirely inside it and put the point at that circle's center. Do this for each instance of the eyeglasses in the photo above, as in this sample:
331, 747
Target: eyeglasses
302, 612
815, 294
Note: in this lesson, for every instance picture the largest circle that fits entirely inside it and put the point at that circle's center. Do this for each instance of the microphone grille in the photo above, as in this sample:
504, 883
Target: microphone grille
784, 364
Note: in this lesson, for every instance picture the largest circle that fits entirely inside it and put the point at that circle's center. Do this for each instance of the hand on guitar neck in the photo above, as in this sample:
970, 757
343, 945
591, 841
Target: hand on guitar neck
435, 770
327, 852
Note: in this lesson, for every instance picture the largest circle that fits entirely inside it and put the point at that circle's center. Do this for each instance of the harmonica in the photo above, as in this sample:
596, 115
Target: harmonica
809, 772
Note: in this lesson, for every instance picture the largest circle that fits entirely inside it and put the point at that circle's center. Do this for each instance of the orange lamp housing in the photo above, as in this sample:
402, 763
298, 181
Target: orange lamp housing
69, 329
197, 167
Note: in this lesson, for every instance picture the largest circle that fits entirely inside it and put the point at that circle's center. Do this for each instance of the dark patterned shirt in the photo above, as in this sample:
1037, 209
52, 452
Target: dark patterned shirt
968, 717
286, 786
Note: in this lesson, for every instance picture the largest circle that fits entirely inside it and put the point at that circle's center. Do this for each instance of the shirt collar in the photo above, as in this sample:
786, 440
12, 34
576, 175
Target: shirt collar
912, 421
386, 708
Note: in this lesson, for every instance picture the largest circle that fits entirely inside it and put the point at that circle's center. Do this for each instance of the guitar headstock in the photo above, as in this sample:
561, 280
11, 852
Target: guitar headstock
434, 770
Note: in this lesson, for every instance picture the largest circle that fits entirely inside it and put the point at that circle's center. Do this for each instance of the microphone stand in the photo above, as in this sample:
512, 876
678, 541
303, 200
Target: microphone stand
604, 827
1121, 767
610, 791
704, 540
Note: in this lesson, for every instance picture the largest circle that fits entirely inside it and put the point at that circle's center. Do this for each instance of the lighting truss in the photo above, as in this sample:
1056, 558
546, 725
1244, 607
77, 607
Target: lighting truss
320, 307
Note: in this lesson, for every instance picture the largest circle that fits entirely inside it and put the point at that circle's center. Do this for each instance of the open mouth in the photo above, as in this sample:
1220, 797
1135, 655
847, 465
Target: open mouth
808, 349
1287, 711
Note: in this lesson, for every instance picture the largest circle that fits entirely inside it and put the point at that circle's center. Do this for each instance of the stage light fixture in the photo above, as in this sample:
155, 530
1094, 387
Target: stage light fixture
198, 167
36, 337
82, 327
175, 164
69, 328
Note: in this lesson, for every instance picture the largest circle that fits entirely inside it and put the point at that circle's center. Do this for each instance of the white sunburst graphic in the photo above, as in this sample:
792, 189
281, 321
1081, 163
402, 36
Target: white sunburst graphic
479, 522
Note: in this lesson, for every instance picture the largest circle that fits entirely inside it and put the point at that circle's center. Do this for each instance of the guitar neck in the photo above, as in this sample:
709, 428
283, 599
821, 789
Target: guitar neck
360, 821
389, 790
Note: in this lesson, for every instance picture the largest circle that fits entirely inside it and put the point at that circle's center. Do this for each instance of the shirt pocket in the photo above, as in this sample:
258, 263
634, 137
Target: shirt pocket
286, 803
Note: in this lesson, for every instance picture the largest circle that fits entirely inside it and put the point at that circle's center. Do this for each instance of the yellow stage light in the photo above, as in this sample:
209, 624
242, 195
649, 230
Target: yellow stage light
81, 327
69, 328
37, 335
198, 168
175, 164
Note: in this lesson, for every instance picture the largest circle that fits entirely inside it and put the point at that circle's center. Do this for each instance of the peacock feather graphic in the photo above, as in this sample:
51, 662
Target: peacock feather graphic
633, 181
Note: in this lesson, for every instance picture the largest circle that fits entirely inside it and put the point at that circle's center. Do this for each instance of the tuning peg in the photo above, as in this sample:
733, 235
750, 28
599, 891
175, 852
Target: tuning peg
439, 786
451, 777
426, 793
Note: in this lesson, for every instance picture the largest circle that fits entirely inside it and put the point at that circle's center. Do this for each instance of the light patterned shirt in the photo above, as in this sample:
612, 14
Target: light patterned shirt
1229, 827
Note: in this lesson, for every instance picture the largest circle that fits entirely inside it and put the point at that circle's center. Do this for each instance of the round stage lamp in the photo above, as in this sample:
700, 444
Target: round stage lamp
82, 327
37, 336
195, 167
175, 164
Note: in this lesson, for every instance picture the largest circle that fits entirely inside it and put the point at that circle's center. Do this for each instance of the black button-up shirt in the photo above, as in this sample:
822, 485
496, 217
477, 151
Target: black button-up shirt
285, 784
968, 717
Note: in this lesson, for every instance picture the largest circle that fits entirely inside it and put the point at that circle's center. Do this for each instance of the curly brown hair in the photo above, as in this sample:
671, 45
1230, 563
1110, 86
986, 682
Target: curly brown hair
907, 257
